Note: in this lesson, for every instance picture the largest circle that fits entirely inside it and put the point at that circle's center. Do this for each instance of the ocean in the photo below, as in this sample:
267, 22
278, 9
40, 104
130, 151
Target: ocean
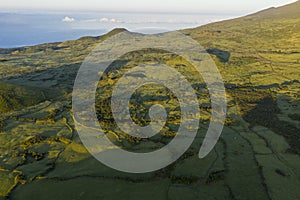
26, 29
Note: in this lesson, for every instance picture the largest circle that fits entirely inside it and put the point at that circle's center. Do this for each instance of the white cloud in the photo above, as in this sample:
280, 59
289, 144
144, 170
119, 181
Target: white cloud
68, 19
104, 19
107, 20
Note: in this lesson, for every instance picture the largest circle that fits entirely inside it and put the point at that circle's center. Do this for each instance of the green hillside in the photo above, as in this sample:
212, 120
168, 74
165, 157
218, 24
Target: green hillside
14, 97
264, 47
257, 156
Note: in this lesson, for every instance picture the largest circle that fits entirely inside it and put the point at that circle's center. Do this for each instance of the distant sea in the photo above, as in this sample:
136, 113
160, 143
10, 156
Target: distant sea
26, 29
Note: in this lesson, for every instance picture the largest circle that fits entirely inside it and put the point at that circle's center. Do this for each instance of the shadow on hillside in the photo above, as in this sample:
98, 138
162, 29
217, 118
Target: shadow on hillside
265, 113
222, 55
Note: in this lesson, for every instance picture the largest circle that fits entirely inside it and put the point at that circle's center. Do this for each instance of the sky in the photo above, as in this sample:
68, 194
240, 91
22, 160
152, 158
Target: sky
195, 6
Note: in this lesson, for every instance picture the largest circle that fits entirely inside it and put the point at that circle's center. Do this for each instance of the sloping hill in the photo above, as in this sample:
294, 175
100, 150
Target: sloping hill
264, 47
270, 29
14, 97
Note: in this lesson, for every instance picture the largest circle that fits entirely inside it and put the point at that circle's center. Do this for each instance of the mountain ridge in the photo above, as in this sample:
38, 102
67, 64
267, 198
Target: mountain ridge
290, 9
